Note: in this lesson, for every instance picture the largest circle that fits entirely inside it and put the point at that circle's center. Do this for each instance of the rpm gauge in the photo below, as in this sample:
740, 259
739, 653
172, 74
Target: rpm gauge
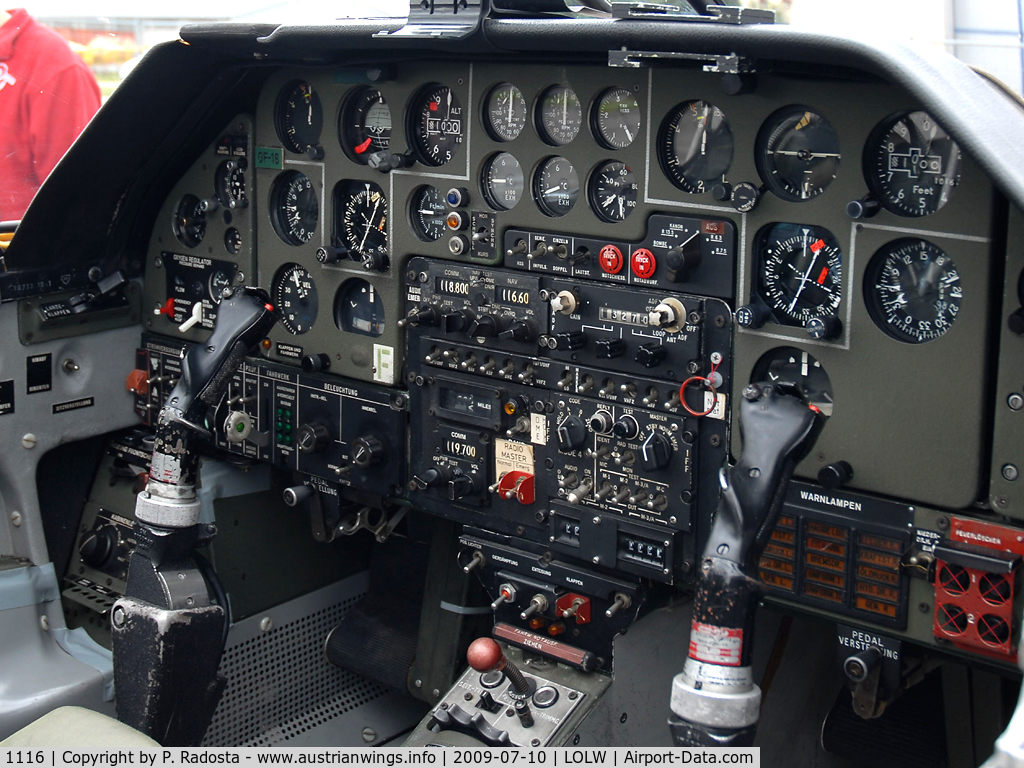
790, 365
503, 182
912, 290
436, 124
801, 273
797, 153
616, 118
912, 164
427, 211
559, 115
359, 309
505, 112
695, 145
295, 296
294, 209
556, 186
612, 191
364, 124
298, 117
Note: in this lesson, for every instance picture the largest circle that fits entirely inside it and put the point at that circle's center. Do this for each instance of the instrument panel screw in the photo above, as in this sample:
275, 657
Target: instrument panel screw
44, 623
716, 440
411, 275
923, 607
719, 321
16, 518
1015, 401
1010, 472
1002, 501
596, 560
158, 262
943, 523
118, 616
28, 441
751, 392
369, 734
723, 549
535, 743
266, 624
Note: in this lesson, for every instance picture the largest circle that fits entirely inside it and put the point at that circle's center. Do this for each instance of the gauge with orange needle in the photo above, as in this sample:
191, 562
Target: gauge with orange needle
801, 275
364, 124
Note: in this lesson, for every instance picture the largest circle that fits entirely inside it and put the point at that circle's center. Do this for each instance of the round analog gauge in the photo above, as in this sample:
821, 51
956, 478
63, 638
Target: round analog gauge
436, 127
190, 221
233, 240
364, 124
299, 118
219, 280
428, 213
296, 298
912, 164
358, 308
797, 153
912, 290
801, 272
556, 186
559, 115
294, 209
789, 365
612, 191
503, 182
616, 118
695, 145
505, 115
229, 181
363, 228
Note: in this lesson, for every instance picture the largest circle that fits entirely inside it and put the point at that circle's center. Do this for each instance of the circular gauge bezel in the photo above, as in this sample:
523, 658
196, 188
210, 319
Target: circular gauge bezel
614, 167
425, 232
878, 164
287, 318
229, 182
606, 134
343, 306
189, 222
356, 229
775, 260
820, 396
487, 182
446, 141
687, 173
279, 193
896, 324
560, 133
353, 132
500, 127
232, 240
292, 137
541, 197
785, 121
216, 288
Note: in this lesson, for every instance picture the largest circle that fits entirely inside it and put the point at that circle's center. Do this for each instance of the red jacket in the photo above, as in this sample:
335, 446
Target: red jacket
47, 95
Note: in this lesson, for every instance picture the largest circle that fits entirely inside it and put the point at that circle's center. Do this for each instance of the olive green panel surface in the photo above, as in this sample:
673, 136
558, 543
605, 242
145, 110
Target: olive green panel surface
1007, 484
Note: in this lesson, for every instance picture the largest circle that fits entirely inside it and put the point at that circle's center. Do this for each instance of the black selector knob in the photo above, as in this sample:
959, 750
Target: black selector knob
681, 261
752, 316
97, 546
374, 262
316, 363
425, 314
367, 451
626, 428
312, 438
828, 327
651, 355
520, 330
461, 486
864, 208
571, 340
835, 475
1015, 322
328, 254
431, 478
572, 434
655, 452
460, 320
606, 349
485, 326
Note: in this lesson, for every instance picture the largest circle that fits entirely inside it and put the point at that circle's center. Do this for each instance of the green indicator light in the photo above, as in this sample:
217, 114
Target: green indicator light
240, 427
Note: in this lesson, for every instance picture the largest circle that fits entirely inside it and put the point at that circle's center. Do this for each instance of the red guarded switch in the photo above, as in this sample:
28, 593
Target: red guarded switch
517, 485
573, 606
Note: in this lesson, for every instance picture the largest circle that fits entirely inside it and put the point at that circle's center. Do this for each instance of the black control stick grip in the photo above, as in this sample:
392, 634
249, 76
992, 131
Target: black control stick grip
243, 320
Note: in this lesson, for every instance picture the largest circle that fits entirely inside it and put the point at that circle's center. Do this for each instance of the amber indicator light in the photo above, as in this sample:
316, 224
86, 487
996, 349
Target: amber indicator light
832, 531
886, 577
825, 561
836, 580
777, 580
877, 590
821, 545
880, 542
881, 559
823, 593
875, 606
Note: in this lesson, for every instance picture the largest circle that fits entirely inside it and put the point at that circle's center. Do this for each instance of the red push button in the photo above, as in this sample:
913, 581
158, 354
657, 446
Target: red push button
611, 259
643, 263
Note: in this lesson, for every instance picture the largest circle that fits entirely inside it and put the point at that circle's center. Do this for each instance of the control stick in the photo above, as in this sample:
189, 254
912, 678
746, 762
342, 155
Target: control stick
485, 655
714, 699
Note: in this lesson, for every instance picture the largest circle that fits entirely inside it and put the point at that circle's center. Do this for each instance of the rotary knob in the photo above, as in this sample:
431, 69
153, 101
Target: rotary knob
608, 349
312, 438
520, 330
655, 452
367, 451
425, 314
97, 546
485, 326
651, 355
572, 434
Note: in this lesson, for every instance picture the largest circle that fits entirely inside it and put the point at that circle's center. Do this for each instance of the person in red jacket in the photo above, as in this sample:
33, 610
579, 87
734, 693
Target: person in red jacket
47, 95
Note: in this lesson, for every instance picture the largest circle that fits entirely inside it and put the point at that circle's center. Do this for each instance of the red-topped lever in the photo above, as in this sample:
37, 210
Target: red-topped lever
485, 655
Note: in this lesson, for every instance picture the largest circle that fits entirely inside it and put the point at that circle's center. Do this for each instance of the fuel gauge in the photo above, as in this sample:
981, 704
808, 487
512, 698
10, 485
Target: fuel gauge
358, 308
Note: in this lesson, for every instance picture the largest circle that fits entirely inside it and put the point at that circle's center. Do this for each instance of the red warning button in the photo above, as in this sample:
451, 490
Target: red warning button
611, 260
643, 263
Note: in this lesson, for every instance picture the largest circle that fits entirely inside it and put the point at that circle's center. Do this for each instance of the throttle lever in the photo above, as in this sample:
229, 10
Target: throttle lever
714, 699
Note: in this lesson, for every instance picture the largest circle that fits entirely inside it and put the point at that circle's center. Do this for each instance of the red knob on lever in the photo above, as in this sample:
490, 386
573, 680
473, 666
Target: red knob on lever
485, 655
